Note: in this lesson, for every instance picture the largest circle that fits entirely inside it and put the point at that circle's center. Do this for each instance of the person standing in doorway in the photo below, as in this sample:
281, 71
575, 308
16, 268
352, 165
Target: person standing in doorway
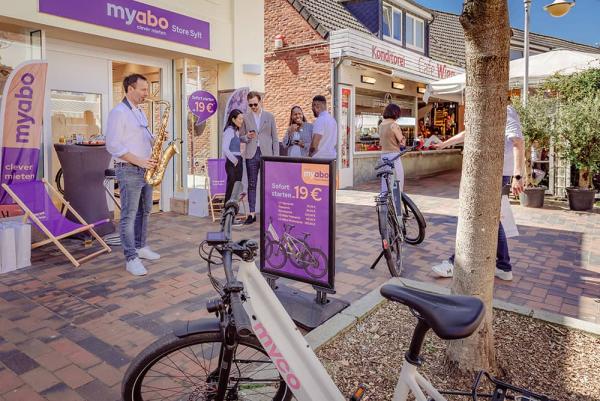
324, 140
259, 132
129, 141
514, 155
299, 134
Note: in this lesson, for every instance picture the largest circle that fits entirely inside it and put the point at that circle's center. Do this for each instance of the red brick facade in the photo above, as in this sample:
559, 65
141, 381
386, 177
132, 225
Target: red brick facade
298, 71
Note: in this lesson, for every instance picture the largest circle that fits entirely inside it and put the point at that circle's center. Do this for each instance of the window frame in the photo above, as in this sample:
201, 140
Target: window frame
422, 21
391, 37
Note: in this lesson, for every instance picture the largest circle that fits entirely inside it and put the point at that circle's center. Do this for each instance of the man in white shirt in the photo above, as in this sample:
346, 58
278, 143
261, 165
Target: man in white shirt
324, 140
129, 140
512, 170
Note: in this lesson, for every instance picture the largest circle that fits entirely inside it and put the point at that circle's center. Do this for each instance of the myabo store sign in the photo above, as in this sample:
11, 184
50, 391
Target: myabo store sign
133, 16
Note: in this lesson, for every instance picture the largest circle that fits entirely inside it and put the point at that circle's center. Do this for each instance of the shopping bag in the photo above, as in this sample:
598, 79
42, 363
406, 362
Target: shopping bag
507, 219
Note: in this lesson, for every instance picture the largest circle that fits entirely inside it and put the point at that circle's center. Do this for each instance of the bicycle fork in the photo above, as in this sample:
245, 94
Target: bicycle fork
226, 357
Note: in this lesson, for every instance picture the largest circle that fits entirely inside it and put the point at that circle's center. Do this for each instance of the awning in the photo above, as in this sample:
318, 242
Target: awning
541, 66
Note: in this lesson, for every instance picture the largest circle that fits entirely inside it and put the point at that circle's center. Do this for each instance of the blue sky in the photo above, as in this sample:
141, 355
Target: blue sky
581, 24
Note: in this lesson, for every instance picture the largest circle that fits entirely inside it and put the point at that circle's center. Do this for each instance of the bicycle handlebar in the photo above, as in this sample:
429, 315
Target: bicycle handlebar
240, 317
390, 162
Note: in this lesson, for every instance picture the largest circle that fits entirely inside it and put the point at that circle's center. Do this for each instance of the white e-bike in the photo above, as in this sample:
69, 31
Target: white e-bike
253, 351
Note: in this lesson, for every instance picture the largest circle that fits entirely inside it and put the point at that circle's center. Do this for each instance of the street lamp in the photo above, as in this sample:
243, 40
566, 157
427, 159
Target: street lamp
558, 8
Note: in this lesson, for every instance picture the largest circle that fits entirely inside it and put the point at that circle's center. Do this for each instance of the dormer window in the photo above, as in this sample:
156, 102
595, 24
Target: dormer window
392, 23
415, 33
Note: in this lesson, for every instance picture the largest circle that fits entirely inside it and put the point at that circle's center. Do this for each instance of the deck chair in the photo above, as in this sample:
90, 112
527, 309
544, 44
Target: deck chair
217, 185
35, 201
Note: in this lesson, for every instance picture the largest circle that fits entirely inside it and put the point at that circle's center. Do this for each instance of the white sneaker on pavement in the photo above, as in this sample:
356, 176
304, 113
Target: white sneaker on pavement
444, 269
504, 275
136, 267
147, 253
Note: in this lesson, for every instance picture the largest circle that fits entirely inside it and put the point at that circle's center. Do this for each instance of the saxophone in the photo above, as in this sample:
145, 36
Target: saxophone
154, 176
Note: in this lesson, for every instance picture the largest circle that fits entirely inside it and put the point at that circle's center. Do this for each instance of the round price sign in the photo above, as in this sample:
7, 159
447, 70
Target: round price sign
202, 104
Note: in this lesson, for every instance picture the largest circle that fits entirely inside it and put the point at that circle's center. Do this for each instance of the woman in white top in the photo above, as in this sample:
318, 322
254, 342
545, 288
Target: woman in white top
231, 150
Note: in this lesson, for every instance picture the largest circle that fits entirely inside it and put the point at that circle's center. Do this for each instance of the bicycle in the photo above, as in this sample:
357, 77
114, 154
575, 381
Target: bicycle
302, 256
398, 217
205, 359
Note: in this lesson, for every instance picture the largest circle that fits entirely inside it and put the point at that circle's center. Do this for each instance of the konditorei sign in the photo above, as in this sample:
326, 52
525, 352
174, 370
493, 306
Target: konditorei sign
133, 16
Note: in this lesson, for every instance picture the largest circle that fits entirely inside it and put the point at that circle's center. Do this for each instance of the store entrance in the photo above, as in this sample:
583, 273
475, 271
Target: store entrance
153, 110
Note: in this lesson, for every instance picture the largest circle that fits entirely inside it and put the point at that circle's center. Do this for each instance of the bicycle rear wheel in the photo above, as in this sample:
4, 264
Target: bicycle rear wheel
391, 236
186, 368
413, 221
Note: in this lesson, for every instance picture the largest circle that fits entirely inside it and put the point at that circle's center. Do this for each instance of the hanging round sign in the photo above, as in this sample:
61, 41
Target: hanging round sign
203, 105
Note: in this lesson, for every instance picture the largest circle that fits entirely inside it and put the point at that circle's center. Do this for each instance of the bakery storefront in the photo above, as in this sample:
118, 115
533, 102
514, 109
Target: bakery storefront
370, 73
90, 46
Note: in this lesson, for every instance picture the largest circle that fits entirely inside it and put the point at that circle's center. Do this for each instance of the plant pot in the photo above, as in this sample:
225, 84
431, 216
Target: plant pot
533, 197
580, 198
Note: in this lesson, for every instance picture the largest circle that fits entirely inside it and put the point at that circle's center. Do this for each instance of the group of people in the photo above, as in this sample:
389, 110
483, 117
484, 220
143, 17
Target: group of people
256, 129
129, 140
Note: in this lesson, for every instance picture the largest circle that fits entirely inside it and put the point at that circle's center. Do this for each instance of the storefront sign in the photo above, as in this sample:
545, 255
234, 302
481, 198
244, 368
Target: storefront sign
21, 120
133, 16
361, 46
298, 219
203, 105
387, 56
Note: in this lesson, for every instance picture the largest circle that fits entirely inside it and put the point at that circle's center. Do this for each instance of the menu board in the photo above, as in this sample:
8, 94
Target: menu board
298, 219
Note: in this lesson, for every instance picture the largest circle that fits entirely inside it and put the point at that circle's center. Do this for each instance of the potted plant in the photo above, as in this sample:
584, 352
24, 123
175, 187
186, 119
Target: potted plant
536, 123
578, 139
577, 130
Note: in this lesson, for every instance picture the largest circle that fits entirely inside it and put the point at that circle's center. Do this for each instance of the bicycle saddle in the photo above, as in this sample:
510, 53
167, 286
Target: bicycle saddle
450, 316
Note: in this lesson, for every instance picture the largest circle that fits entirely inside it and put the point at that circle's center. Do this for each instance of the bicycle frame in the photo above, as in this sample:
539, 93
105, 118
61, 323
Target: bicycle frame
293, 357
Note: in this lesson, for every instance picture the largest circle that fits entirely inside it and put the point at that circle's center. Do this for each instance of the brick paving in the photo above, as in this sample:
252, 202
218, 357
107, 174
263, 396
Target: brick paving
69, 334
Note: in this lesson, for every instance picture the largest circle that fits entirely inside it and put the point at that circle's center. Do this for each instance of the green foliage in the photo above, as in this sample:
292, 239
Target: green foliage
576, 86
536, 118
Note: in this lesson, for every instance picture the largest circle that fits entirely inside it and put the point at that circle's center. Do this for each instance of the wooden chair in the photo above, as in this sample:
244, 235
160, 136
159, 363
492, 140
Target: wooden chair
35, 201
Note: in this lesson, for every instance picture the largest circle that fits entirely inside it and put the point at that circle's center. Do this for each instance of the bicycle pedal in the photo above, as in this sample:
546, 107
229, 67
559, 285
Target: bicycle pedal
359, 393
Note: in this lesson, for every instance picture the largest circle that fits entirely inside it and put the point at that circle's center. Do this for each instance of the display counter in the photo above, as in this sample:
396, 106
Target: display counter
416, 164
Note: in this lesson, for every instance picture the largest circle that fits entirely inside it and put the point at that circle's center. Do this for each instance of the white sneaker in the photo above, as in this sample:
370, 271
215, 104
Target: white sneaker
444, 269
504, 275
136, 267
147, 253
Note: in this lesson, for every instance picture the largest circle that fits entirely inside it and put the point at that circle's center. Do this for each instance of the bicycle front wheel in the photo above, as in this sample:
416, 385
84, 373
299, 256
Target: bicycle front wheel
413, 221
393, 251
177, 369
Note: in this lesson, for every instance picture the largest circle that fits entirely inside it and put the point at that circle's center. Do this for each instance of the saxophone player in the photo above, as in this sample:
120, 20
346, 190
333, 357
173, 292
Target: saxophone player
129, 141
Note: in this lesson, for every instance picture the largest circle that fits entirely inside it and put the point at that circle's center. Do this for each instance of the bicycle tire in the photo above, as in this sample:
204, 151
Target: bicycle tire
321, 270
413, 221
273, 249
393, 253
167, 347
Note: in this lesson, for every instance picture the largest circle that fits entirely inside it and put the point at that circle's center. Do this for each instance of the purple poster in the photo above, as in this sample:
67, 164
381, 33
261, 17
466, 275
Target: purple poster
203, 105
297, 220
133, 16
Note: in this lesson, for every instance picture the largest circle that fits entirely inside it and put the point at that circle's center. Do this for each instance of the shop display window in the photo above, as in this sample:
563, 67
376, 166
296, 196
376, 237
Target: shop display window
16, 46
75, 116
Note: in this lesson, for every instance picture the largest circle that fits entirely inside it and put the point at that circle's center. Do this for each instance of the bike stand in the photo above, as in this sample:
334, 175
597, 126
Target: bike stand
307, 310
377, 260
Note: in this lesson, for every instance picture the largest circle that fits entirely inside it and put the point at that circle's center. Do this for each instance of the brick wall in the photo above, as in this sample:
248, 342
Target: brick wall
294, 76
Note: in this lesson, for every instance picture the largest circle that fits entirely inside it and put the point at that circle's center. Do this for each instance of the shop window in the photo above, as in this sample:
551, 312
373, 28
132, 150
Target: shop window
369, 114
415, 32
16, 46
392, 23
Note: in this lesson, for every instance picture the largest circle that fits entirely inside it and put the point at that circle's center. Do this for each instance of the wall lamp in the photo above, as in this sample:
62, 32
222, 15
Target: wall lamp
421, 89
397, 85
367, 79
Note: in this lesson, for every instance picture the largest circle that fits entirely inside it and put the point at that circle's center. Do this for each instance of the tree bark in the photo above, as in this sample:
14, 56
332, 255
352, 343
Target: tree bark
487, 37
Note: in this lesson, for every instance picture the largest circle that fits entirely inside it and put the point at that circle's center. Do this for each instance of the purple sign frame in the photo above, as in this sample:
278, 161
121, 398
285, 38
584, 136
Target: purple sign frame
133, 16
203, 105
297, 220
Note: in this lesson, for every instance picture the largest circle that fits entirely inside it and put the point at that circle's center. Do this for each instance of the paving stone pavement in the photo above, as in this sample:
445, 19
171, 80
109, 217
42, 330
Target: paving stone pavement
69, 334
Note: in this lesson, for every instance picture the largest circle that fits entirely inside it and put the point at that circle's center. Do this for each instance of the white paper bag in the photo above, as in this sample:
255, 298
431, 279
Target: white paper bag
507, 219
23, 243
8, 248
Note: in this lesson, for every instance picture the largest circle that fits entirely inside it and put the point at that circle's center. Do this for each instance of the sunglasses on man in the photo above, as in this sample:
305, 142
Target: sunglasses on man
253, 104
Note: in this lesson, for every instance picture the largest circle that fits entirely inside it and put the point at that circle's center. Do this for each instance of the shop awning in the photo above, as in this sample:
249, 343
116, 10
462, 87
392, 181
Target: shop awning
541, 66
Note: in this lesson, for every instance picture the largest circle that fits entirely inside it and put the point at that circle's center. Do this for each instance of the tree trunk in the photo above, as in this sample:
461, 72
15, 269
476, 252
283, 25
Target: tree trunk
487, 36
585, 180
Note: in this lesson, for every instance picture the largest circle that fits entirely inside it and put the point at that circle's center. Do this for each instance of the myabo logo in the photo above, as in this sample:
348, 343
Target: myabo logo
141, 17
